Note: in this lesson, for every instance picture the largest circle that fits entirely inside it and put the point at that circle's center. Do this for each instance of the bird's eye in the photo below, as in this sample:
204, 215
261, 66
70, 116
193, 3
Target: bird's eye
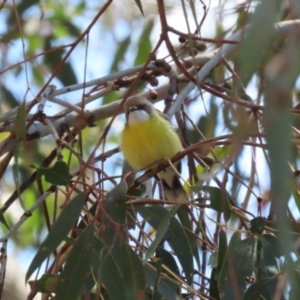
137, 107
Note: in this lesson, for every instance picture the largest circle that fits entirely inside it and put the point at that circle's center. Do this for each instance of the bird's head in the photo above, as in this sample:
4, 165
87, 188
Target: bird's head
138, 109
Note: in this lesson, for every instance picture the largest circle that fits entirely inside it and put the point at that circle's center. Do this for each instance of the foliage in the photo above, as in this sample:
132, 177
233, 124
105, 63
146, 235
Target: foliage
64, 191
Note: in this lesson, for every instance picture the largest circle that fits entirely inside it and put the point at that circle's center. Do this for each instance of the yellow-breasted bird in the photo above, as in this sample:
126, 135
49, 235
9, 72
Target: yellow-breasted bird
148, 136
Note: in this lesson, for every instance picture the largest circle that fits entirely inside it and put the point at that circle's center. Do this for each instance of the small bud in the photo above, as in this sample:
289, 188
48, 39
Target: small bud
182, 39
200, 46
152, 95
153, 81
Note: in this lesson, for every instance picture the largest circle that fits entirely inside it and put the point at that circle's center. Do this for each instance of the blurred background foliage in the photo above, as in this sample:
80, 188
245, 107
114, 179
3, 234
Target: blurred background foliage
64, 207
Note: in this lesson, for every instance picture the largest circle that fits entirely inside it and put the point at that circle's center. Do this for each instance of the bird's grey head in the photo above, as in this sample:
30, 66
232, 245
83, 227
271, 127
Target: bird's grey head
138, 109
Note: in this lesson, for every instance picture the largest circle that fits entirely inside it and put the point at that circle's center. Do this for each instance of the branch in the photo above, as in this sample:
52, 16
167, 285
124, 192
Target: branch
69, 118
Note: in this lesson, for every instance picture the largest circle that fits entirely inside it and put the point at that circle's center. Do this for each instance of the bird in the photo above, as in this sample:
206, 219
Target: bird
148, 137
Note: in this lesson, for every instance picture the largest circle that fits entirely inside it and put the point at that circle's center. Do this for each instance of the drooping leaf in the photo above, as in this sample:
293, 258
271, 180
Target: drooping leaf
237, 267
2, 220
111, 276
218, 201
158, 265
221, 250
166, 288
167, 259
53, 59
139, 4
144, 45
213, 286
161, 230
262, 21
57, 175
46, 284
267, 268
59, 231
175, 236
8, 97
20, 123
256, 289
115, 217
257, 225
77, 266
119, 56
183, 215
133, 274
124, 277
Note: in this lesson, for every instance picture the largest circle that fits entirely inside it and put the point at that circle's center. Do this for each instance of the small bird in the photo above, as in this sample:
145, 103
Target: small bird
148, 136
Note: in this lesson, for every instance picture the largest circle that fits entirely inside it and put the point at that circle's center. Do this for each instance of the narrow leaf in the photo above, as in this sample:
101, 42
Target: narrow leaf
133, 274
46, 284
161, 230
165, 287
76, 267
111, 276
218, 201
57, 175
221, 250
144, 45
115, 217
167, 259
262, 21
237, 266
59, 231
257, 225
20, 122
175, 236
213, 286
139, 4
2, 219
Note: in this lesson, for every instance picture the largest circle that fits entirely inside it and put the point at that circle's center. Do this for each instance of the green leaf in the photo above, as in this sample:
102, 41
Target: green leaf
294, 283
238, 265
271, 245
66, 73
77, 266
165, 287
221, 250
267, 266
2, 220
60, 229
46, 284
255, 290
144, 46
139, 4
111, 276
57, 175
158, 265
257, 225
265, 15
8, 97
119, 56
161, 230
70, 27
20, 123
213, 286
115, 217
175, 236
123, 278
218, 201
98, 247
183, 215
133, 274
167, 259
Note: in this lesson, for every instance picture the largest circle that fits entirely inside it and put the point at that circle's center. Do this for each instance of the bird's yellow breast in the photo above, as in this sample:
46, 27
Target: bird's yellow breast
149, 141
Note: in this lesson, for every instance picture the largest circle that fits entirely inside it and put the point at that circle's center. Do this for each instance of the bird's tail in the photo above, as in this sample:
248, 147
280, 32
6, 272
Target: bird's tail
172, 187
